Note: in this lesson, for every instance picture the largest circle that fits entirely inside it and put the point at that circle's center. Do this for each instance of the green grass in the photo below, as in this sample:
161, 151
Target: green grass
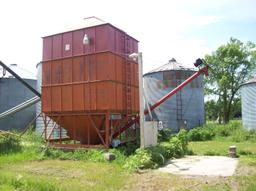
33, 167
62, 175
217, 147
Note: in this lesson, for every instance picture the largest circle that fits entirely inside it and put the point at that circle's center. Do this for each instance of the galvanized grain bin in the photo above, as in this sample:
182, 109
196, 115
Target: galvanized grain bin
12, 93
248, 94
183, 110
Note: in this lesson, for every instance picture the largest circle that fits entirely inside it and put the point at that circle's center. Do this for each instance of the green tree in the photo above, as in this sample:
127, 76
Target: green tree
230, 65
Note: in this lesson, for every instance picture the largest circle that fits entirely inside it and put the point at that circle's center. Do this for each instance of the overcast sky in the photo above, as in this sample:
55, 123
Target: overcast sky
166, 29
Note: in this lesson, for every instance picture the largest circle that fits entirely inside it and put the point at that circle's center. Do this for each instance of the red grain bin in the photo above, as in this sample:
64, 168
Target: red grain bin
90, 88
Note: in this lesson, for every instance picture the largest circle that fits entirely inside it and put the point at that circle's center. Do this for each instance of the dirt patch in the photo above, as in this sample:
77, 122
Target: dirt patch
50, 168
154, 180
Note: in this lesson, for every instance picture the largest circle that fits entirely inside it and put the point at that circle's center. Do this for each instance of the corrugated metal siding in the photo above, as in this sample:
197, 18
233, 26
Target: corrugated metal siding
190, 106
12, 93
248, 93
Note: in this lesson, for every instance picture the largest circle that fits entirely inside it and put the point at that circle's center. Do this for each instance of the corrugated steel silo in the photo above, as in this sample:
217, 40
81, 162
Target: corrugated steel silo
248, 94
88, 82
12, 93
183, 110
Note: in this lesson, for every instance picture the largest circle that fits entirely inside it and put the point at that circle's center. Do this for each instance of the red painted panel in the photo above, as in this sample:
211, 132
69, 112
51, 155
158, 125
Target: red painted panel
56, 98
119, 42
78, 69
93, 89
102, 96
57, 47
119, 97
46, 73
78, 97
87, 98
90, 48
47, 48
67, 70
78, 46
46, 99
101, 68
101, 43
92, 68
87, 61
66, 98
118, 68
67, 44
56, 72
105, 67
111, 45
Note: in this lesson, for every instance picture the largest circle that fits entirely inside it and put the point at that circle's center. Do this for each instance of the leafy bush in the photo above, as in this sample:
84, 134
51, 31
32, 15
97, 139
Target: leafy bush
164, 134
200, 134
9, 143
233, 130
142, 159
153, 157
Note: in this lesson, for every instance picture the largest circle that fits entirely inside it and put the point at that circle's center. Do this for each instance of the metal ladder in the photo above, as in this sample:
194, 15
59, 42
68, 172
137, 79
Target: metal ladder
128, 77
179, 108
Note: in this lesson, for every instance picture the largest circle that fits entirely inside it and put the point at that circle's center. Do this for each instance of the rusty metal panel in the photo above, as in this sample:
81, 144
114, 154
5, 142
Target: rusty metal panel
102, 38
66, 97
101, 43
56, 98
78, 47
67, 70
78, 69
104, 91
47, 48
90, 48
119, 42
93, 96
56, 68
57, 46
119, 97
78, 97
46, 73
87, 97
67, 44
46, 99
111, 44
118, 68
105, 66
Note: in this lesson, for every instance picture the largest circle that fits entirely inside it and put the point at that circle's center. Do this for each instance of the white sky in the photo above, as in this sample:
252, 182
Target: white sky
181, 29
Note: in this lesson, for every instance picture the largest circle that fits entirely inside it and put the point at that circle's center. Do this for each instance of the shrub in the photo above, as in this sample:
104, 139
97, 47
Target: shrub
140, 160
200, 134
164, 134
155, 156
9, 143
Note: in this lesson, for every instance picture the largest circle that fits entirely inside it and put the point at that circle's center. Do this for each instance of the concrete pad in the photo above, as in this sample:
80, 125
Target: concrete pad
202, 166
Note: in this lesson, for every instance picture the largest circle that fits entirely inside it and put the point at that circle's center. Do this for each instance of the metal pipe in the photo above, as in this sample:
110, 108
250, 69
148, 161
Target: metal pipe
203, 70
20, 79
20, 107
142, 131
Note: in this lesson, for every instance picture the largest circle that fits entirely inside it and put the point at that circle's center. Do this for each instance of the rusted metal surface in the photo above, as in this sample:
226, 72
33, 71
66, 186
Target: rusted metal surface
102, 38
83, 85
91, 83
